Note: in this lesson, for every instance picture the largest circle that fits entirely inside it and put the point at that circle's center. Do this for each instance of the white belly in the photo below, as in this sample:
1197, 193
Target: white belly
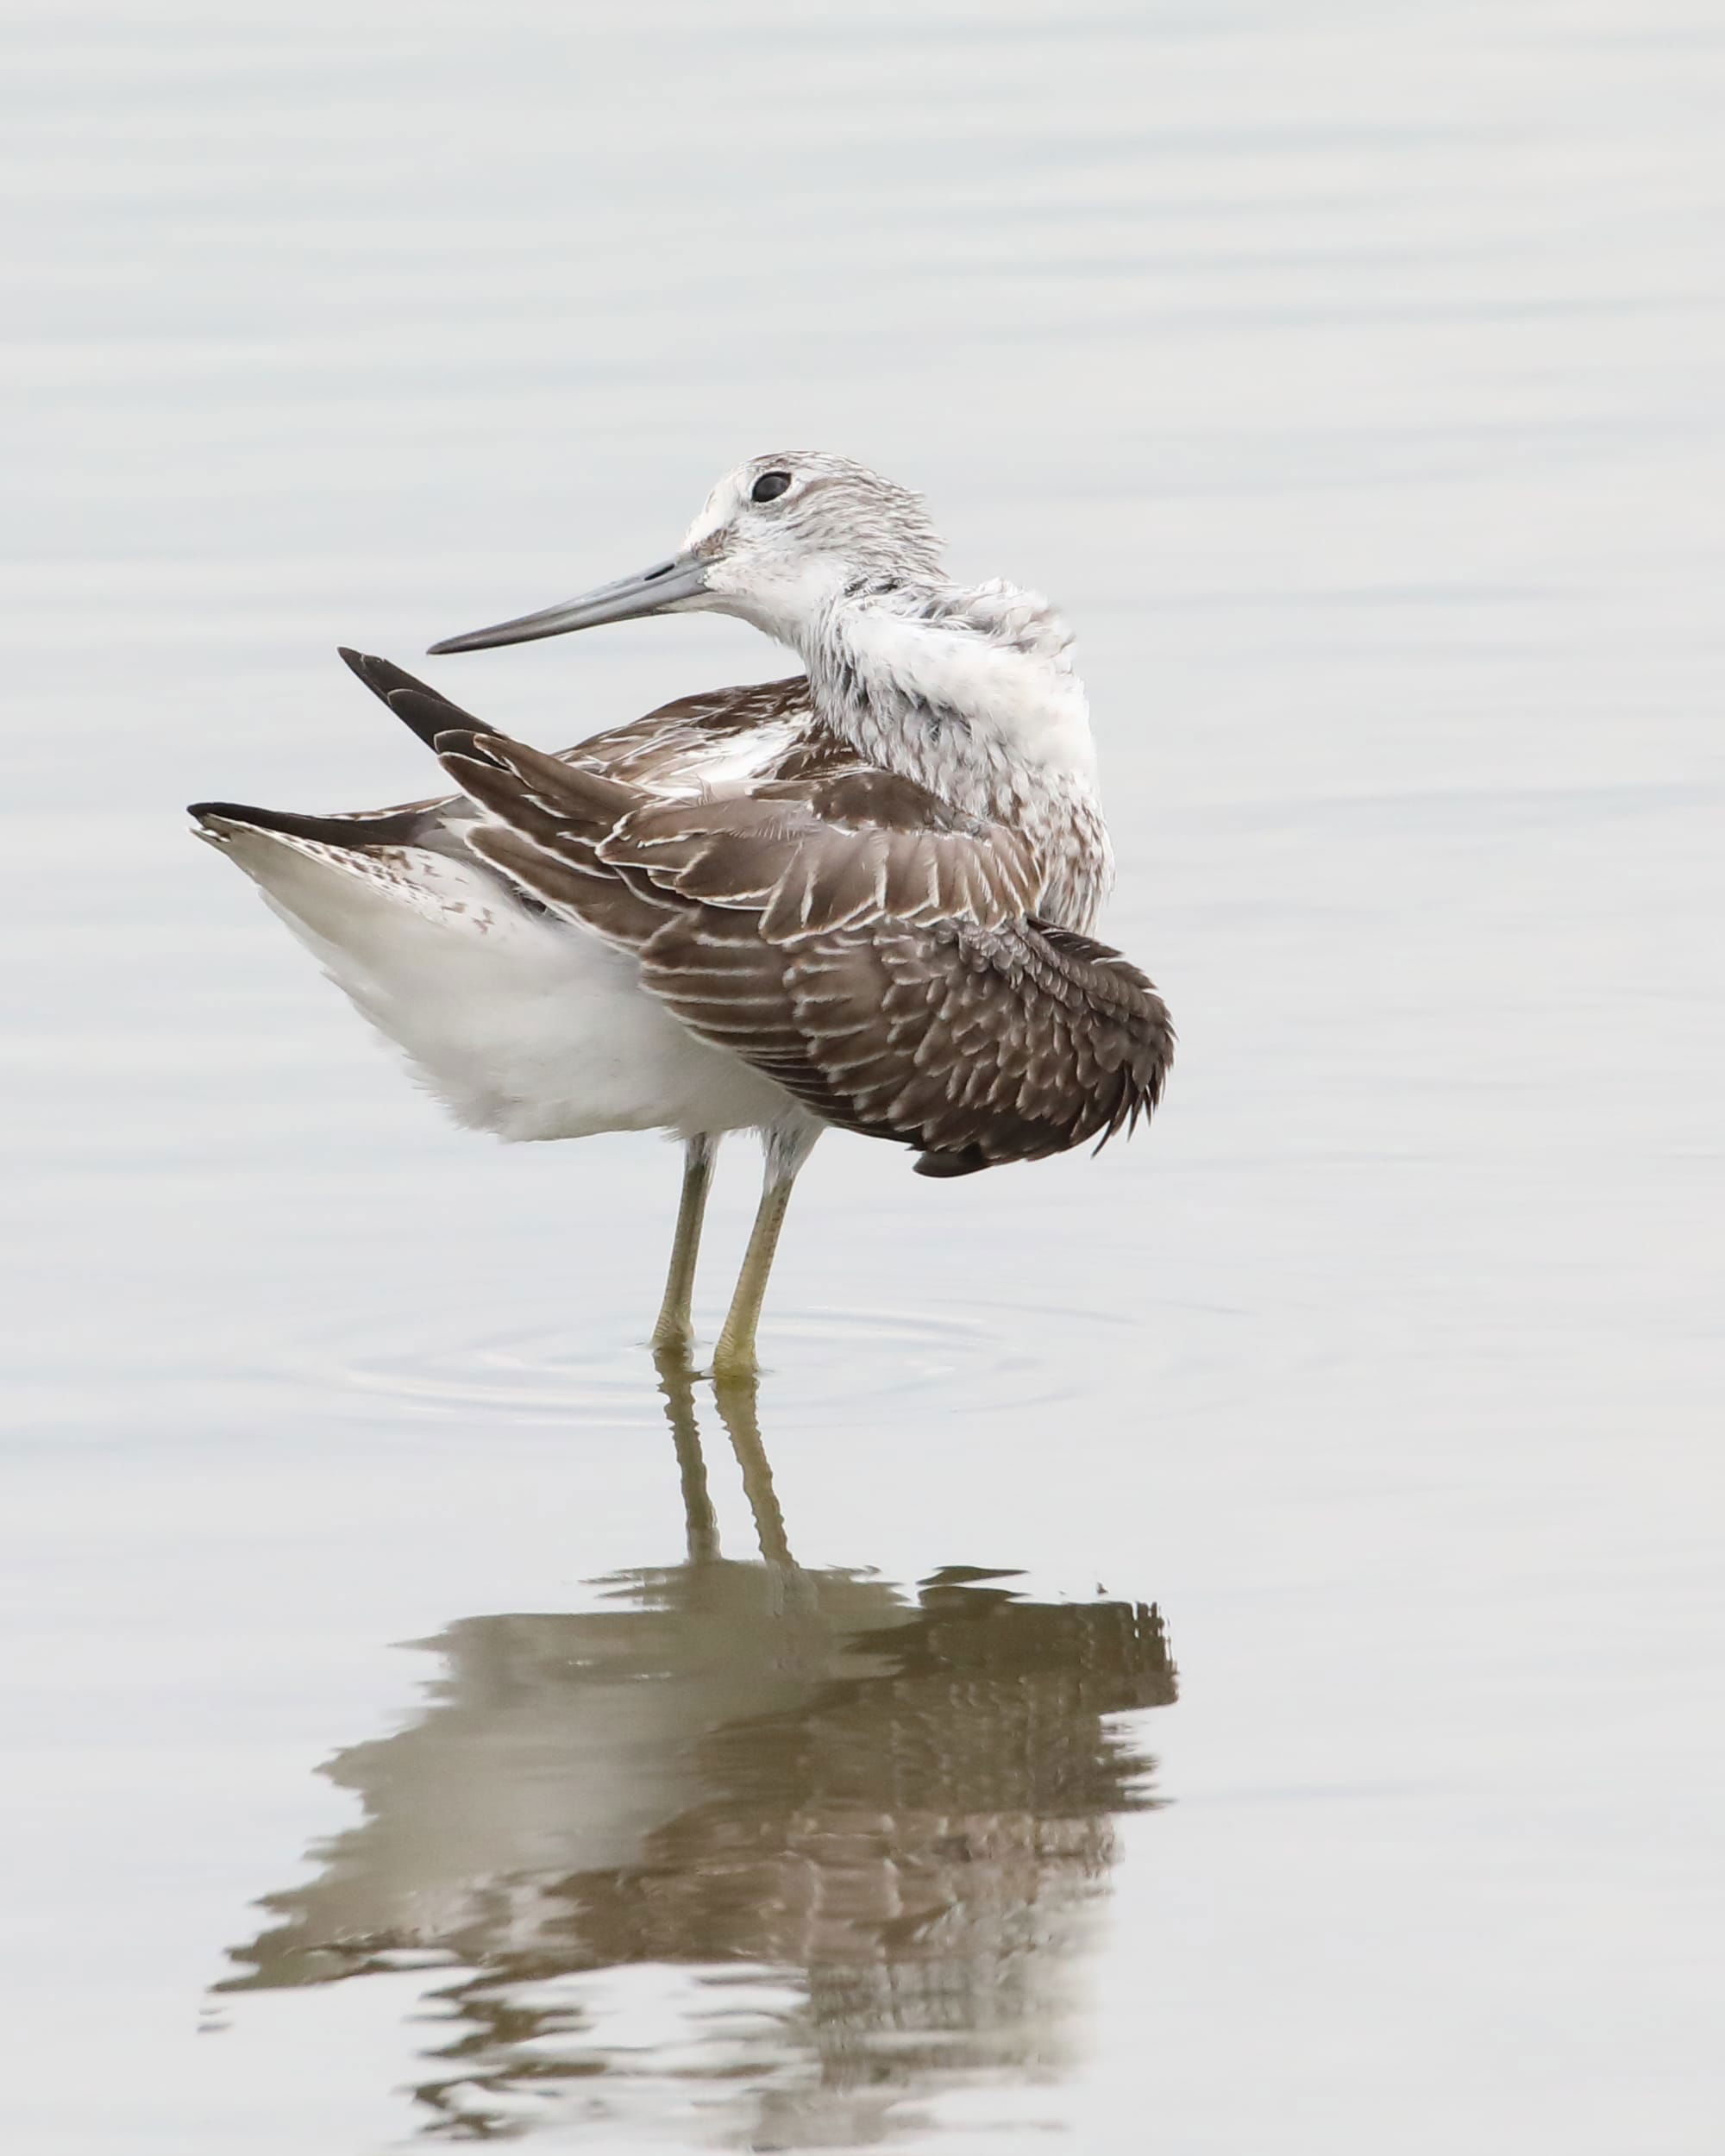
519, 1023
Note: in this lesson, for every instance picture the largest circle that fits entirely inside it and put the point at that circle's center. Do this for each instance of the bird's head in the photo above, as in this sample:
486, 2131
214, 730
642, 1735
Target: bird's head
778, 539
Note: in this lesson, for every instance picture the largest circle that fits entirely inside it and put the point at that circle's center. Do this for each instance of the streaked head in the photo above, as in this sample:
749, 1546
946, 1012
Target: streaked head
779, 538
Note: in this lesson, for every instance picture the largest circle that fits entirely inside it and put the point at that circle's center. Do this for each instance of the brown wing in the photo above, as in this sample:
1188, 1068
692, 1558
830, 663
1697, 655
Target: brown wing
763, 729
977, 1046
807, 856
849, 936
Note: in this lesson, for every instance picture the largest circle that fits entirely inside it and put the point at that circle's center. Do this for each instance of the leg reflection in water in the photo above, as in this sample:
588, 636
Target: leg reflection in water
758, 1855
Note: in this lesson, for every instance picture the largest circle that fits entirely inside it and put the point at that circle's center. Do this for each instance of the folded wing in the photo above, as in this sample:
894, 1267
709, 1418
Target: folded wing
849, 935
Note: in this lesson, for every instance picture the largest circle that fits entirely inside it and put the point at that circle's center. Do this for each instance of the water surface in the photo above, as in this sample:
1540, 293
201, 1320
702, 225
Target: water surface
421, 1724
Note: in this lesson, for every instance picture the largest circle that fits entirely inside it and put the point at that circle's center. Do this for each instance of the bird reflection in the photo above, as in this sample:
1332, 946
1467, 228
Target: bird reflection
770, 1855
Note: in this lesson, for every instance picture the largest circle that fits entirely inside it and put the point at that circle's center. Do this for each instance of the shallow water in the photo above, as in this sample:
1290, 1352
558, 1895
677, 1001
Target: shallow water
1215, 1647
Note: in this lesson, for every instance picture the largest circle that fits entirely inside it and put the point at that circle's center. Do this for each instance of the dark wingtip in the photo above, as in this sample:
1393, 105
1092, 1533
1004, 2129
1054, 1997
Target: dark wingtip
373, 672
971, 1162
394, 827
422, 710
425, 713
467, 745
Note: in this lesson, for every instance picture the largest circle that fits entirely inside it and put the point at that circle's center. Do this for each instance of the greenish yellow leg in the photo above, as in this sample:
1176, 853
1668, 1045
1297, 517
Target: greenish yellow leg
734, 1357
675, 1330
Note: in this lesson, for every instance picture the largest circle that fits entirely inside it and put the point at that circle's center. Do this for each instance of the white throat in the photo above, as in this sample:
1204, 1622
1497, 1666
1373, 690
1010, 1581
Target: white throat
971, 692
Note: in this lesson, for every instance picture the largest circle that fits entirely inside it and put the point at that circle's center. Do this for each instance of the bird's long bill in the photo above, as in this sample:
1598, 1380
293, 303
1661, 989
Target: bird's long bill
651, 592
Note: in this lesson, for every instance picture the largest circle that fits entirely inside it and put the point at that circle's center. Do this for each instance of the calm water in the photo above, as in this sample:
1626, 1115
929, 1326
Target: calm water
1216, 1649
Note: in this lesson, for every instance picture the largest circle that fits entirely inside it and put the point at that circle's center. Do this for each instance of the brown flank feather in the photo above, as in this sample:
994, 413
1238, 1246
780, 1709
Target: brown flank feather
848, 936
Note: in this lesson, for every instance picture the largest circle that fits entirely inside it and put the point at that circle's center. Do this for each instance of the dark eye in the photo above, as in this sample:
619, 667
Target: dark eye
769, 486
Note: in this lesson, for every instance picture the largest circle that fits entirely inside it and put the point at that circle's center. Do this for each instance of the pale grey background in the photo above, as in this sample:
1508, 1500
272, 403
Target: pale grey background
1352, 375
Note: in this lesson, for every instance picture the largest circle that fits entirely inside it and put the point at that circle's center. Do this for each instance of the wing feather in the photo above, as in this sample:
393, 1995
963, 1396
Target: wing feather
849, 936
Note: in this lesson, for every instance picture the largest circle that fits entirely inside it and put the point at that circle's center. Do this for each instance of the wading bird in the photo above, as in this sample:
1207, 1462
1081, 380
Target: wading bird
860, 897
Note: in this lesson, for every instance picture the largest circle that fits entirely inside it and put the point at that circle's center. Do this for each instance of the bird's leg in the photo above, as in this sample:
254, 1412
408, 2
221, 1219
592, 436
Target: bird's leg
673, 1333
786, 1148
734, 1359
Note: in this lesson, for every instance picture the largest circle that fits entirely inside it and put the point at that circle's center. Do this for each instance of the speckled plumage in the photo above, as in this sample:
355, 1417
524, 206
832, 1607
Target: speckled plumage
861, 896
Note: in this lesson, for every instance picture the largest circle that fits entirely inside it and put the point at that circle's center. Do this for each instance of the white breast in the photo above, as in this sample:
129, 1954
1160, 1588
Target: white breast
972, 693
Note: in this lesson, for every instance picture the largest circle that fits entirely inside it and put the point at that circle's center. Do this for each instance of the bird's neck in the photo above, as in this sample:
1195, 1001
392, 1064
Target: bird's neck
972, 693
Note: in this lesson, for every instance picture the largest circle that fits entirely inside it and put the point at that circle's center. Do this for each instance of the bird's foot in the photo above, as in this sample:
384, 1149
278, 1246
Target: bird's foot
734, 1363
673, 1350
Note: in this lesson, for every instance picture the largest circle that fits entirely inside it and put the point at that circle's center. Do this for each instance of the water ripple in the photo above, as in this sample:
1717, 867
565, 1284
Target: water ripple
967, 1359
